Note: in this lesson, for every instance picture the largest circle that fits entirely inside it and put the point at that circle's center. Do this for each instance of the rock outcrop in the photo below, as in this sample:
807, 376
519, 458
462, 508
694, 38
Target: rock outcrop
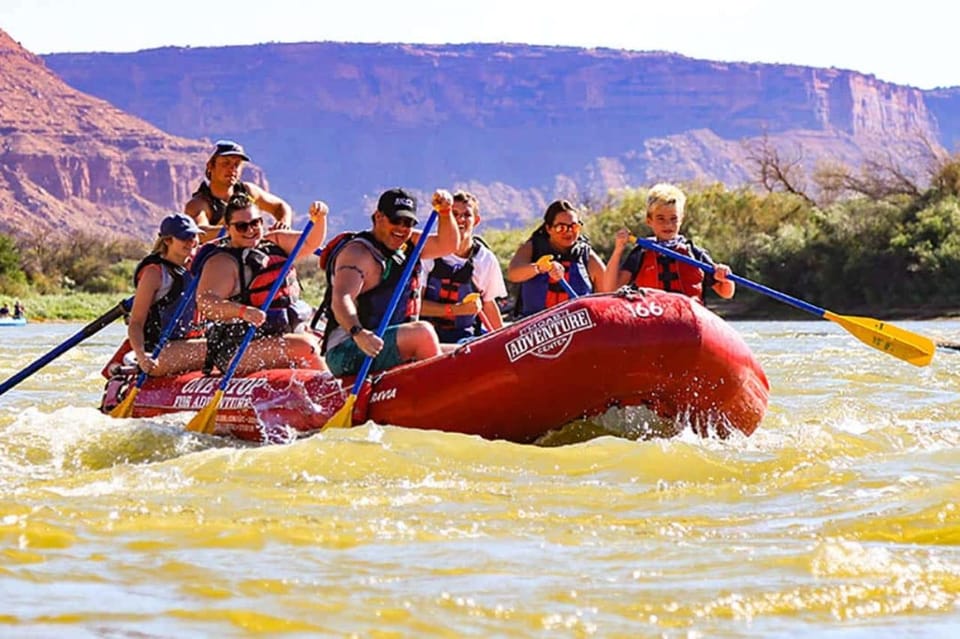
71, 161
342, 121
519, 124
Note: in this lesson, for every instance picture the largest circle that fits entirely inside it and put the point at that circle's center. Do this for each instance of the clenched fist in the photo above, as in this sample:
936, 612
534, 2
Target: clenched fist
442, 200
318, 210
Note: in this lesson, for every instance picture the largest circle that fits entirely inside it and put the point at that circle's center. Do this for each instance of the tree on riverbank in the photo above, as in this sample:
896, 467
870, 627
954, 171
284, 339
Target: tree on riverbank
891, 255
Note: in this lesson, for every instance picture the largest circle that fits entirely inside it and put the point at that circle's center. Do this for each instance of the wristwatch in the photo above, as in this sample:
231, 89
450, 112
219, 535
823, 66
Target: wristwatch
356, 328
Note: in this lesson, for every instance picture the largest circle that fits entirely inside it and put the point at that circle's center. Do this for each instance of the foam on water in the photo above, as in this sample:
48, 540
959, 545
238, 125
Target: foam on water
838, 516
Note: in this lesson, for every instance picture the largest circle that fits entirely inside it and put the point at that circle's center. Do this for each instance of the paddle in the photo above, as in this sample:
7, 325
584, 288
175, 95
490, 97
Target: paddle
544, 265
125, 408
343, 418
205, 421
902, 344
469, 299
122, 308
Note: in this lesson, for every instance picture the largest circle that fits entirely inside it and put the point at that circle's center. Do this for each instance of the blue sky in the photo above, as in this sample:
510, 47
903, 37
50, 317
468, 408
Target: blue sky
912, 43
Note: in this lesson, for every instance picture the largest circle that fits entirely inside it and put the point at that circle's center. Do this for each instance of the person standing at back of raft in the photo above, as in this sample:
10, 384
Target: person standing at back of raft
364, 269
472, 268
222, 182
161, 279
236, 275
645, 268
574, 260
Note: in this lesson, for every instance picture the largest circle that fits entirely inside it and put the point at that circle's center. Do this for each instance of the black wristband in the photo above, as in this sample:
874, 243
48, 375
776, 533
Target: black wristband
356, 328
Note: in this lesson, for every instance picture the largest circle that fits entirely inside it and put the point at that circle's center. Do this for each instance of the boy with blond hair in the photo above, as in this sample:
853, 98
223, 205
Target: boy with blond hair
649, 269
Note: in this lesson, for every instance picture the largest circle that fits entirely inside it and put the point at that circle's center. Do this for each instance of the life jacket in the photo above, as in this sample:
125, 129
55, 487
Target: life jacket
175, 280
539, 292
371, 304
258, 269
217, 206
206, 251
660, 271
449, 285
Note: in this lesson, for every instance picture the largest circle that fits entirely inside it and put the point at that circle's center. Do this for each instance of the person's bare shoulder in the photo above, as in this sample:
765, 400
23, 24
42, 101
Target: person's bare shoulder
195, 207
255, 190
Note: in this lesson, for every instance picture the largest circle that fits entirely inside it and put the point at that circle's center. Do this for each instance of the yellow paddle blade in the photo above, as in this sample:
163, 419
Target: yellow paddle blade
125, 408
343, 418
470, 298
901, 343
205, 421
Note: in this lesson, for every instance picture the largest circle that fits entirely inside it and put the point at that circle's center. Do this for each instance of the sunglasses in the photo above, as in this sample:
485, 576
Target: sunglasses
243, 227
563, 227
402, 221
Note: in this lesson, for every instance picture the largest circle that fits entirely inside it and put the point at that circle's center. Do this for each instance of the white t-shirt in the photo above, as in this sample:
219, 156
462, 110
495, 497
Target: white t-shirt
487, 277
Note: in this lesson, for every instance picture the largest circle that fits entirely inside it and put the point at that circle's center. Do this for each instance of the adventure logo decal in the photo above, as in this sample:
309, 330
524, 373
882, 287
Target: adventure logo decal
549, 338
196, 393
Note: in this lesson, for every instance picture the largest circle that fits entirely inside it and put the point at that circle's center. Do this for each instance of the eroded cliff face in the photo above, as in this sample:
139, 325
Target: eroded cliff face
529, 123
71, 161
520, 125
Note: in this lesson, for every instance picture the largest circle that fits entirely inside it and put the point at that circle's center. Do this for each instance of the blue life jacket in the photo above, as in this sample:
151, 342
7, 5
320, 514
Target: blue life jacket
449, 285
539, 292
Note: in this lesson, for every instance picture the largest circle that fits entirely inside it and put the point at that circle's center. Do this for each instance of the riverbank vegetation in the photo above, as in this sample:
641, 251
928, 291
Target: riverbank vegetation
875, 244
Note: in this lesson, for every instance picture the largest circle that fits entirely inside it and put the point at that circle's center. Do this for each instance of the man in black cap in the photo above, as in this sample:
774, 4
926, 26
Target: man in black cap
364, 269
222, 182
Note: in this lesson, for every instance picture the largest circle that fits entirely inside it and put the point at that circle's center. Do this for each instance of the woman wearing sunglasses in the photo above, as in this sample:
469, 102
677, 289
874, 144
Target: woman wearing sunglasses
573, 260
236, 276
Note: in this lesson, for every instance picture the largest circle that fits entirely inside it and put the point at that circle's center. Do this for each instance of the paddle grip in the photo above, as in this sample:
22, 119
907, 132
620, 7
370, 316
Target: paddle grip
544, 264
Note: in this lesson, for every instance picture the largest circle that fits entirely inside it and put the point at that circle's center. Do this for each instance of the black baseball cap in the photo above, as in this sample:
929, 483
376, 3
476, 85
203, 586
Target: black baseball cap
397, 203
229, 147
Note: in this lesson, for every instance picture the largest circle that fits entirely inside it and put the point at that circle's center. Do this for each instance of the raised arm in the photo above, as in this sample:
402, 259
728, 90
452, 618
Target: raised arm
448, 234
287, 240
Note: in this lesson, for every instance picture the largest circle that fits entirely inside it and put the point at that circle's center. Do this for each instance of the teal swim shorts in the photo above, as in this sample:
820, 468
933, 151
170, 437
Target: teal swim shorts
346, 358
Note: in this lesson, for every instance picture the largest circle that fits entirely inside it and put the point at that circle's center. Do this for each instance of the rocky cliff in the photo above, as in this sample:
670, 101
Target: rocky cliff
71, 161
518, 124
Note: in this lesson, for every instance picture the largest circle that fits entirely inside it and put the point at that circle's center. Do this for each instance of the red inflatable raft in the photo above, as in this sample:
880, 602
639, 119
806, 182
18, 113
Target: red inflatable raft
576, 360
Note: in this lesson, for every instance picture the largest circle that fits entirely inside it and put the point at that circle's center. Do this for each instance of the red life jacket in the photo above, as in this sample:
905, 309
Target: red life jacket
667, 274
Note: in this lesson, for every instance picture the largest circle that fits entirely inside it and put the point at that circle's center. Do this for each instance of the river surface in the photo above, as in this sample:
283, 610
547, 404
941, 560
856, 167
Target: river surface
839, 517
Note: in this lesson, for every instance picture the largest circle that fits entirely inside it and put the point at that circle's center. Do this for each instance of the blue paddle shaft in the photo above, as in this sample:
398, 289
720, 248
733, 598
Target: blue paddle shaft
88, 330
569, 289
760, 288
395, 299
277, 283
185, 298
